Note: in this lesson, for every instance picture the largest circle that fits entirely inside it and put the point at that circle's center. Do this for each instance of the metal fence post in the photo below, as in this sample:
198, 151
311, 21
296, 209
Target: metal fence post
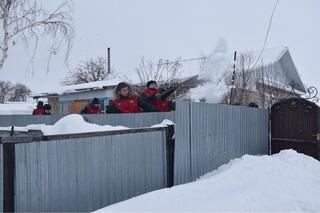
318, 145
170, 140
269, 132
8, 156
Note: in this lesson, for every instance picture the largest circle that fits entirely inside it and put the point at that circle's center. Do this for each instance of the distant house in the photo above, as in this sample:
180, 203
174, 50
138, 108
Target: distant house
260, 77
71, 99
273, 76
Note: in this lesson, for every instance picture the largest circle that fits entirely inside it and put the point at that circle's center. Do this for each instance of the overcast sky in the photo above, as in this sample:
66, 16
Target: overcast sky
169, 29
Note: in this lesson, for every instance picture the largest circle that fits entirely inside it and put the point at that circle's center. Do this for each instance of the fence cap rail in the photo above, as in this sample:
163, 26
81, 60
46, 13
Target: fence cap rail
37, 136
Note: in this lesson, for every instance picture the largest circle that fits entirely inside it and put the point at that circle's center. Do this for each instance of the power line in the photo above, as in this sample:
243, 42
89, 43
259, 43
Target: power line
267, 34
167, 62
205, 57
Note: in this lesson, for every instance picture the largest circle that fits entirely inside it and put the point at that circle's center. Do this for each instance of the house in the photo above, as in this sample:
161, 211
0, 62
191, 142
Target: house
72, 98
262, 77
265, 78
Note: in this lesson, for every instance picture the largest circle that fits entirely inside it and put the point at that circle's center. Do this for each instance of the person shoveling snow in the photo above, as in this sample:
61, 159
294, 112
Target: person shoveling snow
287, 181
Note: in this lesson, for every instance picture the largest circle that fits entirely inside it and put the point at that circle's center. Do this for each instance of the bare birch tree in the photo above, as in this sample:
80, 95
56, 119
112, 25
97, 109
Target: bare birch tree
242, 80
259, 83
26, 21
162, 71
13, 92
272, 86
5, 89
19, 93
89, 71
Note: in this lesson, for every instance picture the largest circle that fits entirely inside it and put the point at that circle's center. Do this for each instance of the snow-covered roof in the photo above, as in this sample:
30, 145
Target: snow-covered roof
267, 56
105, 84
17, 108
281, 58
278, 57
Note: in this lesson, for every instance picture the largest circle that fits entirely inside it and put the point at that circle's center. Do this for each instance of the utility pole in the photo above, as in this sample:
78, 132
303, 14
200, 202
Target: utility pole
233, 78
109, 68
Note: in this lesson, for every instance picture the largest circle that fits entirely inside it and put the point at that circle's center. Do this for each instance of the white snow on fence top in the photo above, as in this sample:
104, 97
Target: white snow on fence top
16, 108
287, 181
164, 123
70, 124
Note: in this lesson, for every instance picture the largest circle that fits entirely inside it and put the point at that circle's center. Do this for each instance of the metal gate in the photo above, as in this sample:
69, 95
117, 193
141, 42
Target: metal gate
295, 125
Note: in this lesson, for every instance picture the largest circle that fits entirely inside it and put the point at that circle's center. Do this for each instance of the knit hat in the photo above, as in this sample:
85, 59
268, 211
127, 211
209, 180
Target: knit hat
40, 104
47, 107
151, 82
95, 101
252, 104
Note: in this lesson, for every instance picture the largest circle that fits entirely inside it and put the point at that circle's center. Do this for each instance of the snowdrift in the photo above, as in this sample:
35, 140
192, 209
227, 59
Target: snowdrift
70, 124
287, 181
75, 123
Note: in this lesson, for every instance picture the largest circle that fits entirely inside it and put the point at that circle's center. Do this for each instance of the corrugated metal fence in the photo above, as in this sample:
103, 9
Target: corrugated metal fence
90, 173
85, 174
132, 120
209, 135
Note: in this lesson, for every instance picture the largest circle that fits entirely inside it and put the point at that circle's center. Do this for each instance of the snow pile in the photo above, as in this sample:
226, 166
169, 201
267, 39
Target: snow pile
75, 123
164, 123
17, 108
213, 72
287, 181
70, 124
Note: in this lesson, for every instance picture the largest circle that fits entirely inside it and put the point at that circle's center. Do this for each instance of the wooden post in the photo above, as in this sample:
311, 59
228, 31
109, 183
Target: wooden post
109, 69
8, 157
170, 145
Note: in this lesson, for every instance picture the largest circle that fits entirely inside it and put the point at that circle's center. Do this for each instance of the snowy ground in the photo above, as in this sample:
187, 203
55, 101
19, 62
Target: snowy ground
287, 181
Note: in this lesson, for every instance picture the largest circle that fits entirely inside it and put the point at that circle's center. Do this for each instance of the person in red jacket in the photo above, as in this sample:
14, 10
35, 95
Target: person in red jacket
152, 96
127, 102
92, 108
39, 110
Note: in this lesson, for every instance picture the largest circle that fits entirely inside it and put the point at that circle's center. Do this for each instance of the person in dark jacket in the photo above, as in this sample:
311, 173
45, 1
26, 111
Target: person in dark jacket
47, 109
39, 110
93, 107
152, 95
252, 104
127, 102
